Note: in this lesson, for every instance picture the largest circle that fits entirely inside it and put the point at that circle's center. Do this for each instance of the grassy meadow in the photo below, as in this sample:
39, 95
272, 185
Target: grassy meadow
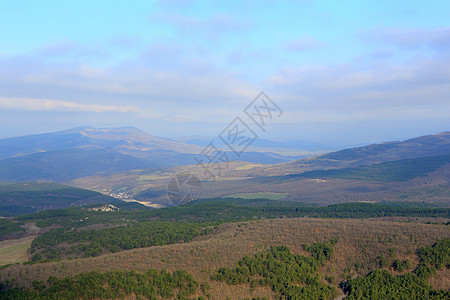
15, 251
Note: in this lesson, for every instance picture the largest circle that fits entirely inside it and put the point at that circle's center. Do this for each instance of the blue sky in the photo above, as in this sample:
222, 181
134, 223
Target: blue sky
343, 71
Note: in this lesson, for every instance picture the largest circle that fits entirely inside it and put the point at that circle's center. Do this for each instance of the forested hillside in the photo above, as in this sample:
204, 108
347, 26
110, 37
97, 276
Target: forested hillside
28, 197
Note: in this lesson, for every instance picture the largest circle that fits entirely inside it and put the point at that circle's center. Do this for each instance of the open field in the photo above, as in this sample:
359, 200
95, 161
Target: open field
248, 167
360, 243
14, 251
270, 196
433, 188
392, 181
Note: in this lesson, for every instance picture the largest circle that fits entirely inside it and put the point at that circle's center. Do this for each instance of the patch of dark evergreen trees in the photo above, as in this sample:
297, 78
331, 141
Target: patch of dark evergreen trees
290, 276
112, 285
381, 284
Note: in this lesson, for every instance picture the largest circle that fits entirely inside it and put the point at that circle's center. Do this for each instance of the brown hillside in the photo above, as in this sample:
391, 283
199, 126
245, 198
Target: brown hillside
360, 243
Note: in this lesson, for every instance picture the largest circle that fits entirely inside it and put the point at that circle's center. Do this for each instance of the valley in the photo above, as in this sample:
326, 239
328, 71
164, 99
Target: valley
347, 219
224, 150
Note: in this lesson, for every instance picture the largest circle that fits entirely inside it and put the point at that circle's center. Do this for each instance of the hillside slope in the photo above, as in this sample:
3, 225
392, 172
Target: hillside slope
360, 244
86, 151
121, 139
423, 179
28, 197
429, 145
65, 165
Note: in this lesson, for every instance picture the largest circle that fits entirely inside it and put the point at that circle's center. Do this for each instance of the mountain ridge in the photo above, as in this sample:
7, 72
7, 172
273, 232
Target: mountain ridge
85, 151
427, 145
90, 137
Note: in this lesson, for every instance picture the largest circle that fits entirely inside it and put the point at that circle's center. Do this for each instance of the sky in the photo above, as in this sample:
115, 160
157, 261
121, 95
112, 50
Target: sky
343, 72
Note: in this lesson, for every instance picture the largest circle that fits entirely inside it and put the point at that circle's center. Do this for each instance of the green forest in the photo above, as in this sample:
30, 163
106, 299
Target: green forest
112, 285
290, 276
226, 210
381, 284
78, 232
92, 233
86, 243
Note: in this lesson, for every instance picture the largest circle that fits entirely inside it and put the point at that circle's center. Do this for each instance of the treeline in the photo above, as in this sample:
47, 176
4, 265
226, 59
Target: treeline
112, 285
8, 227
381, 284
88, 243
221, 210
290, 276
149, 227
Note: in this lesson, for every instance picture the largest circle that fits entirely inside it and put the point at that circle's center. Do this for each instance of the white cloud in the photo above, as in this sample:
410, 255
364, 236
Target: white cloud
57, 105
362, 92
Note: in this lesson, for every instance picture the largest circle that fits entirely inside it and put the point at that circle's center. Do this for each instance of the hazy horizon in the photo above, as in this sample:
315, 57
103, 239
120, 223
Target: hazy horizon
331, 144
345, 73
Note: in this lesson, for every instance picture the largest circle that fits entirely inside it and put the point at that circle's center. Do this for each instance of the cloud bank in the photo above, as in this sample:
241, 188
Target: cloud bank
190, 69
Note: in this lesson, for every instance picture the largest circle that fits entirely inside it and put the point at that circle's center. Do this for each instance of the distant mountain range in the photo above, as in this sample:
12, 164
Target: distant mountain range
63, 165
129, 160
86, 151
429, 145
304, 145
123, 139
414, 170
